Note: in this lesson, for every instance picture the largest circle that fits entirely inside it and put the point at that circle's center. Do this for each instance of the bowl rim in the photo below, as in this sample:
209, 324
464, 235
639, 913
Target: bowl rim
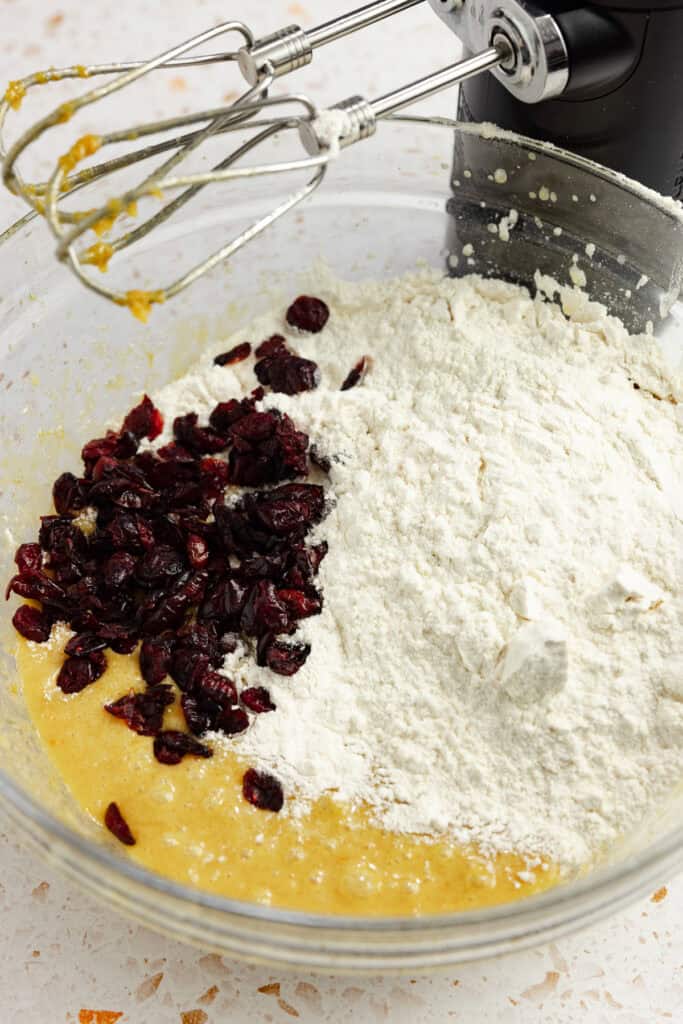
607, 886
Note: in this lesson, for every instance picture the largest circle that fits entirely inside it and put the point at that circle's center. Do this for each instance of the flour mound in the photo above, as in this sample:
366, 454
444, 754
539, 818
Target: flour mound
500, 653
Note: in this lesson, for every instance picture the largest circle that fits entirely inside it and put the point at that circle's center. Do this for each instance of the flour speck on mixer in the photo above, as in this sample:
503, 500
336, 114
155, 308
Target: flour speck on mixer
498, 657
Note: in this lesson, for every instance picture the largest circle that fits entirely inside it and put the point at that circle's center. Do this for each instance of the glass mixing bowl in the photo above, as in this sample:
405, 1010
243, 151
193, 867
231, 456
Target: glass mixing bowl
424, 190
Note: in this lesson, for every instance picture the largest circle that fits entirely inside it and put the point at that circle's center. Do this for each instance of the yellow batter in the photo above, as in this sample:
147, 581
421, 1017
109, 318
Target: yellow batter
192, 824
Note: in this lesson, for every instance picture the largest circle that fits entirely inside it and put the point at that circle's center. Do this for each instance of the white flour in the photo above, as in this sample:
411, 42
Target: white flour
500, 655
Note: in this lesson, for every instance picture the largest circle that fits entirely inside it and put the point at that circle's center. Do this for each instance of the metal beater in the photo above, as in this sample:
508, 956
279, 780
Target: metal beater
524, 47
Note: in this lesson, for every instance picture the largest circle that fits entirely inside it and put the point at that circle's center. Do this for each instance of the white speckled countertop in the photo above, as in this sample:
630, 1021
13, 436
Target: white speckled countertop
63, 957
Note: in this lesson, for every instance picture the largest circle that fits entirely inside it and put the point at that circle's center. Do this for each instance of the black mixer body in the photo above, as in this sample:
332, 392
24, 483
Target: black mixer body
623, 102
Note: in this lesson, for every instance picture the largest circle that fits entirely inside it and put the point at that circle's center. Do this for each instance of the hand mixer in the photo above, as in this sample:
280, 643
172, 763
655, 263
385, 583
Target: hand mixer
602, 81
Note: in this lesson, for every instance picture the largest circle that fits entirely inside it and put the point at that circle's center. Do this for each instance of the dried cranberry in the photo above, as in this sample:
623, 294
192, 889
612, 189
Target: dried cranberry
262, 790
61, 538
235, 355
143, 712
197, 717
257, 699
194, 586
197, 551
118, 569
119, 488
113, 445
200, 637
118, 611
251, 469
77, 673
175, 465
32, 623
214, 476
171, 746
232, 721
275, 344
188, 665
184, 494
103, 467
144, 420
118, 825
218, 688
66, 546
126, 446
355, 375
86, 604
203, 440
169, 612
69, 493
36, 586
125, 643
264, 612
167, 530
285, 659
29, 558
160, 565
95, 449
225, 601
226, 413
308, 314
120, 636
238, 534
267, 448
263, 566
289, 509
83, 645
129, 531
288, 374
254, 427
300, 605
155, 658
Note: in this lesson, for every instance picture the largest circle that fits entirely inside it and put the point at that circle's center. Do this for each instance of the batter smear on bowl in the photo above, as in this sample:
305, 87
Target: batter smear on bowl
377, 609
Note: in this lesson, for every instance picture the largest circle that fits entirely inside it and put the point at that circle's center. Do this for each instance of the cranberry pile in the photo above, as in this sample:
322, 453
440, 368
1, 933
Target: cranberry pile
175, 567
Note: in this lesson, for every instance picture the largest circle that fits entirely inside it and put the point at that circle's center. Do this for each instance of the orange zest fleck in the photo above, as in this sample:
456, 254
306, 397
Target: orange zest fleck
99, 1016
140, 302
273, 989
98, 255
209, 995
14, 94
659, 895
81, 150
81, 70
194, 1017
